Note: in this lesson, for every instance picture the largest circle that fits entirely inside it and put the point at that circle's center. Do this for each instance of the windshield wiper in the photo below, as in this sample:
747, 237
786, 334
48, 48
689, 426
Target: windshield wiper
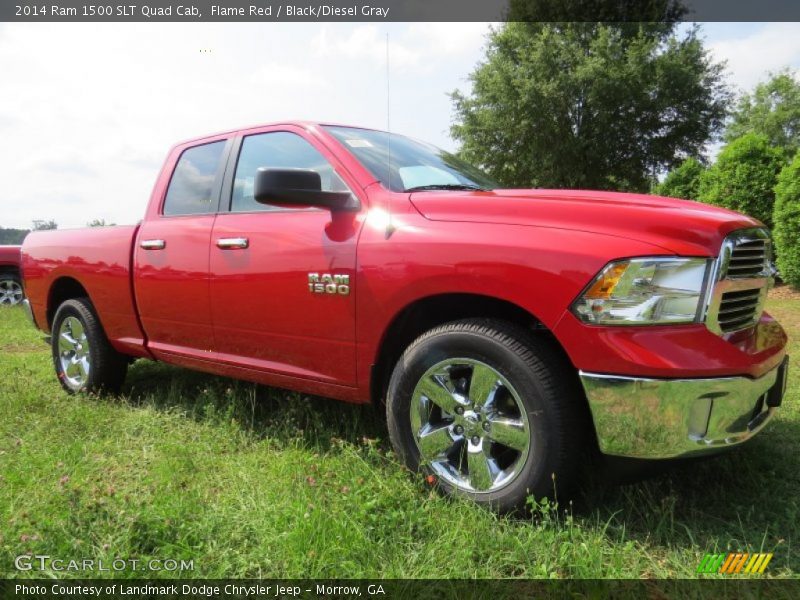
446, 186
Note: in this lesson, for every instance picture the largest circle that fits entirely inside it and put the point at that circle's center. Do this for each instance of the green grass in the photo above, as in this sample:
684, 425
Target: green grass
248, 481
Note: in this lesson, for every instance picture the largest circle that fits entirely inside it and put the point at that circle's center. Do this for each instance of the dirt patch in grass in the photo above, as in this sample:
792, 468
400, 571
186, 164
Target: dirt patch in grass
784, 292
24, 348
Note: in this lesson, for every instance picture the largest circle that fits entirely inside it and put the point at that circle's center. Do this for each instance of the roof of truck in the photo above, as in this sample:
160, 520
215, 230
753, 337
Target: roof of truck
292, 122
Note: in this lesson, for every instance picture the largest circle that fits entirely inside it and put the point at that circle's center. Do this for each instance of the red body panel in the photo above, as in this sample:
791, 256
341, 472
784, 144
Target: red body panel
99, 259
672, 350
171, 285
264, 316
10, 256
678, 226
248, 313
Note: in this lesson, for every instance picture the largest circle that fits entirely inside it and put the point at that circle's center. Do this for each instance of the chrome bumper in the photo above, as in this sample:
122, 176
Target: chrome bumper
667, 418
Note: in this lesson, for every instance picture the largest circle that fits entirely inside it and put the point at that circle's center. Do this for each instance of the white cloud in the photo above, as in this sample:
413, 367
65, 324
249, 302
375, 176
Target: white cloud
446, 39
418, 46
752, 55
89, 111
365, 43
275, 74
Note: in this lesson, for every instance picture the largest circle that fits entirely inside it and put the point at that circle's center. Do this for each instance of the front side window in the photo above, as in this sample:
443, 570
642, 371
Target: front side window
192, 182
277, 150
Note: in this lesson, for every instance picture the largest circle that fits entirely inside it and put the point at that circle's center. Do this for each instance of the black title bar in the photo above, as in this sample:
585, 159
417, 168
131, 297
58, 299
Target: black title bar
397, 589
266, 11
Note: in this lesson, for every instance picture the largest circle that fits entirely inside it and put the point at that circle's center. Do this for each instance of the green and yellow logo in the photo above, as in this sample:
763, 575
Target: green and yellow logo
734, 562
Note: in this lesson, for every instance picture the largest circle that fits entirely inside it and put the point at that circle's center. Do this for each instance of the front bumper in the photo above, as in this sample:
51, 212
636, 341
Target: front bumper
667, 418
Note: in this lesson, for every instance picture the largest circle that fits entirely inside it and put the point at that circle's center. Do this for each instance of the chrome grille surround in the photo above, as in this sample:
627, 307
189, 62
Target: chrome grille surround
743, 274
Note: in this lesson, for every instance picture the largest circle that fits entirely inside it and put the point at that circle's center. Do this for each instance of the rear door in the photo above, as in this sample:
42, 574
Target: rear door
172, 250
269, 311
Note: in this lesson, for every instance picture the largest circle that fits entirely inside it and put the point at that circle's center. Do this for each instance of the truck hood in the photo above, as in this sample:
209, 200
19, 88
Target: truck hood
684, 227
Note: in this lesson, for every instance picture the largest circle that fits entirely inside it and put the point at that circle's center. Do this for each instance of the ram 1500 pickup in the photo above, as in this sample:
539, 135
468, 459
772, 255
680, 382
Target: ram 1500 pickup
505, 329
10, 279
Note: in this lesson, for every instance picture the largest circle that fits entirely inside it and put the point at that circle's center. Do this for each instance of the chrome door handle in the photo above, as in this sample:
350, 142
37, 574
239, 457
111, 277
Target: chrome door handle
152, 244
237, 243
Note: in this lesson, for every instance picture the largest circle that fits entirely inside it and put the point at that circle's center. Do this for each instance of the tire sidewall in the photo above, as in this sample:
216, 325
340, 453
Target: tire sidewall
16, 279
536, 475
74, 308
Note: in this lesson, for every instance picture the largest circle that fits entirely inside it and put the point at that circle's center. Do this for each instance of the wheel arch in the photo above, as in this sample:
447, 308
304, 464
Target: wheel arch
11, 270
62, 289
428, 312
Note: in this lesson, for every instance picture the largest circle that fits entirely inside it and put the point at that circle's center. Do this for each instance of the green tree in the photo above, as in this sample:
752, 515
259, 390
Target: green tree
743, 178
592, 105
772, 109
606, 11
12, 236
42, 225
787, 222
683, 181
99, 223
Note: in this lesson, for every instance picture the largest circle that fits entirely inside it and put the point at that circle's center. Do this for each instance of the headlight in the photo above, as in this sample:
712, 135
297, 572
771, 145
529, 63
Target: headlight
642, 291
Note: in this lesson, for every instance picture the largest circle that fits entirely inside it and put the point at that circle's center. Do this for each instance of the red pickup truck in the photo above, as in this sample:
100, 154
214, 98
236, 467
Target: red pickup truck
505, 329
10, 280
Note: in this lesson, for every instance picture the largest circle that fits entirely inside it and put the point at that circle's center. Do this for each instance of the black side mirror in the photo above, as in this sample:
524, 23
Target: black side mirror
298, 187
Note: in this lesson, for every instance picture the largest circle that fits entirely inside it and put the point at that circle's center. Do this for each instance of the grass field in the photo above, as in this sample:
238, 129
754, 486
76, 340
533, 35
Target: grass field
247, 481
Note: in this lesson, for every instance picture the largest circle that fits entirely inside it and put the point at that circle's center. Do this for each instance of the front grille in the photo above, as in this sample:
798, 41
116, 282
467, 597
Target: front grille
743, 276
738, 309
749, 258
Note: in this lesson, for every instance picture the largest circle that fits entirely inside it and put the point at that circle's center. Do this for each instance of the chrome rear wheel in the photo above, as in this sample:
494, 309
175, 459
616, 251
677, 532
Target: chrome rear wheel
74, 352
83, 357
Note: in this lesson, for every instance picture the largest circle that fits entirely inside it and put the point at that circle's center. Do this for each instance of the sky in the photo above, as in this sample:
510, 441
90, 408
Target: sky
89, 111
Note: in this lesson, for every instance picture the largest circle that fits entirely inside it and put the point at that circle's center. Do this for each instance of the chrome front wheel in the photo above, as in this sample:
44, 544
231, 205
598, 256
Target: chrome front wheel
488, 410
470, 425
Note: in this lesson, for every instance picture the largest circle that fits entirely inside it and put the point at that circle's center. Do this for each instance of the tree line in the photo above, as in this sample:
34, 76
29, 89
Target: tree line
12, 236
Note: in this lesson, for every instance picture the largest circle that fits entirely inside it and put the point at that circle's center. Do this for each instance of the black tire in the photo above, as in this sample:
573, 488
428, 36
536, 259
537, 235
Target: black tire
11, 292
106, 367
544, 382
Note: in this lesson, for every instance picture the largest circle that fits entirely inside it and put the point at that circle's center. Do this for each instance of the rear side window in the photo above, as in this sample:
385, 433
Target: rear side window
192, 182
279, 149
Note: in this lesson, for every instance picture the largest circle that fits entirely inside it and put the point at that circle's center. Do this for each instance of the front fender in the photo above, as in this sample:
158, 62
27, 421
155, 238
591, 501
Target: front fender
540, 270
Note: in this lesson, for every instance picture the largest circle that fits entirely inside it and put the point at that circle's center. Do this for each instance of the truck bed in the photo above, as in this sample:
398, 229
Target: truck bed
100, 259
9, 256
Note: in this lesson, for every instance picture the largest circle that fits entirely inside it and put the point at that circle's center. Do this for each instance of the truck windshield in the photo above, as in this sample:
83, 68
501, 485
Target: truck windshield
405, 165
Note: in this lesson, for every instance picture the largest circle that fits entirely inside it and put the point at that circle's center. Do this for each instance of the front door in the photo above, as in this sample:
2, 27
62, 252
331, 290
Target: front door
282, 279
